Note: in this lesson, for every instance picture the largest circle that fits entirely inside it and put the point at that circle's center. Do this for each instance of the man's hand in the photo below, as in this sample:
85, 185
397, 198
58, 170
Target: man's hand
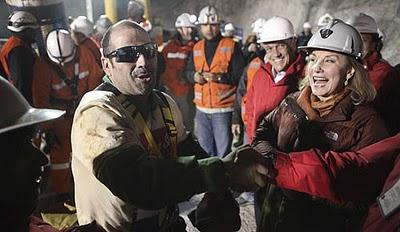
199, 79
247, 169
235, 129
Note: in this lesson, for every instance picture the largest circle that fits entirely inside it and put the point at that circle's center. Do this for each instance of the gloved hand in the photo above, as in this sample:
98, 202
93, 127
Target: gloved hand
199, 79
247, 170
216, 213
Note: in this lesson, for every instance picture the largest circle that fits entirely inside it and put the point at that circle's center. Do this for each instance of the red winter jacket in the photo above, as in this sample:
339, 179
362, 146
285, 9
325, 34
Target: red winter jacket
264, 94
319, 174
386, 81
375, 220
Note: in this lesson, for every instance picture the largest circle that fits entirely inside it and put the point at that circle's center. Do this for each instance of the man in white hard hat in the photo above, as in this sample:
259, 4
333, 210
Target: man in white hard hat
278, 76
384, 77
305, 35
176, 54
136, 162
59, 82
81, 31
216, 66
17, 56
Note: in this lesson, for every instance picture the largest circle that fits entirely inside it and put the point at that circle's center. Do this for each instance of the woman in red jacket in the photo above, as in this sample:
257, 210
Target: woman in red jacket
332, 113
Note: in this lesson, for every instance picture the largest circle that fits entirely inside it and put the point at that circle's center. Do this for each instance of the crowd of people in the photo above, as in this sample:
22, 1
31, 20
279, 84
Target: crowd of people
121, 130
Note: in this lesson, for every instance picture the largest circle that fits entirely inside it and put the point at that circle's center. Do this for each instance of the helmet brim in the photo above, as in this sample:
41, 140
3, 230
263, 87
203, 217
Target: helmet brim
31, 117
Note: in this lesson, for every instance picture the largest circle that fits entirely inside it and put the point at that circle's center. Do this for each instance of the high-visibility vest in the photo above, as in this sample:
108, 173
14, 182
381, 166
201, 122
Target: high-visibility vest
213, 94
252, 68
11, 43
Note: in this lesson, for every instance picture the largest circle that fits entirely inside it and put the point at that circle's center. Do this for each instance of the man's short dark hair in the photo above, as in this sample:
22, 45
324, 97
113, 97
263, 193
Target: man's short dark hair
105, 42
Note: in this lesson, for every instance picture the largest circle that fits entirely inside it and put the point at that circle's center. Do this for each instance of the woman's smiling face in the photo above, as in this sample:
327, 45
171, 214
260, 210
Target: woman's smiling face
327, 72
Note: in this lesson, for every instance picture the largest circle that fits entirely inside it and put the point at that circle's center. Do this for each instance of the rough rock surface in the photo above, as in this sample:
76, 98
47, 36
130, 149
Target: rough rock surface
242, 13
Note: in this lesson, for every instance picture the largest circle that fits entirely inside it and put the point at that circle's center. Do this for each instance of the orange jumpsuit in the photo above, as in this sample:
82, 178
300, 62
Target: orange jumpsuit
51, 91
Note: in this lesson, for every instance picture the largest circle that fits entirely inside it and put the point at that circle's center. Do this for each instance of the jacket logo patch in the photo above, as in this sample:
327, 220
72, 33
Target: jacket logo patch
197, 53
176, 55
225, 49
331, 135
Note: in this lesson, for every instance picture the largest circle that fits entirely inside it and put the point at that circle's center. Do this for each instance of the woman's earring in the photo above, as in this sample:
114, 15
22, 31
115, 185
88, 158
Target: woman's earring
348, 77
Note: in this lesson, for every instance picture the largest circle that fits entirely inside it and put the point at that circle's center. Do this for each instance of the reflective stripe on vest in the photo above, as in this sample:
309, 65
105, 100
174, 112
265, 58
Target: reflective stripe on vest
214, 94
142, 125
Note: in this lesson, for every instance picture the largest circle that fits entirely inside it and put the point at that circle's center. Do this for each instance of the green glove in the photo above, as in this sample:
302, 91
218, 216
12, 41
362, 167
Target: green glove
246, 169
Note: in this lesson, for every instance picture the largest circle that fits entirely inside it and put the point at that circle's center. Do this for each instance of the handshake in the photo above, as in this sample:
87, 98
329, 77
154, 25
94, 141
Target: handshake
202, 78
248, 170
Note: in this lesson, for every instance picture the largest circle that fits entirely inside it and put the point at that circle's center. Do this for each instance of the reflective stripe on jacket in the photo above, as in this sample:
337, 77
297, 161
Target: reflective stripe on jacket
213, 94
176, 55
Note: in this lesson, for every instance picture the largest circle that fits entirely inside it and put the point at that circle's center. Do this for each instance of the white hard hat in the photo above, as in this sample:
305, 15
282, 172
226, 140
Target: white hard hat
324, 20
185, 20
60, 46
256, 26
208, 15
229, 27
307, 25
275, 29
337, 36
17, 112
102, 24
21, 20
364, 23
83, 25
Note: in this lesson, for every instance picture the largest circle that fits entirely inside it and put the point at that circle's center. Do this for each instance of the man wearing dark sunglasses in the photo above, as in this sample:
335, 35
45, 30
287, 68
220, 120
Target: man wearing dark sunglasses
130, 149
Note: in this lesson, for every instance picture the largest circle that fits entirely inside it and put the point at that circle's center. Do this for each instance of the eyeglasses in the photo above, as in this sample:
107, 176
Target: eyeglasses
130, 54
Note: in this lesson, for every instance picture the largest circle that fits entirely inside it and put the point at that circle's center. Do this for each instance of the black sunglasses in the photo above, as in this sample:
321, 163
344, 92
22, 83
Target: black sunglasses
130, 54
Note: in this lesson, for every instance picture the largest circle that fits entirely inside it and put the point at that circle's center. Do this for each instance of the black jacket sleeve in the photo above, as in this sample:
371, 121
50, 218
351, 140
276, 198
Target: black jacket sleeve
150, 182
240, 92
21, 62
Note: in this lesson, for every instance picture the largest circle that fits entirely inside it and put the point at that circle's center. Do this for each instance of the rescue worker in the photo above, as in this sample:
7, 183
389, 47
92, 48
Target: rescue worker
20, 164
216, 66
59, 82
176, 54
81, 32
100, 28
305, 35
131, 167
17, 55
384, 77
278, 77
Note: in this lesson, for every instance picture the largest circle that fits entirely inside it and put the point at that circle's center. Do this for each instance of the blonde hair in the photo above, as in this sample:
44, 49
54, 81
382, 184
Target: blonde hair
362, 88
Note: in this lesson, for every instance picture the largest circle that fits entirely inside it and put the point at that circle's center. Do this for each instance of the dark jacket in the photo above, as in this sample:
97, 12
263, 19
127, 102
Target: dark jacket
386, 81
346, 128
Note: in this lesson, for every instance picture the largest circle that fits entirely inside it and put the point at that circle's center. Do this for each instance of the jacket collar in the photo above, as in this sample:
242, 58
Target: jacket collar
295, 70
371, 60
341, 112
